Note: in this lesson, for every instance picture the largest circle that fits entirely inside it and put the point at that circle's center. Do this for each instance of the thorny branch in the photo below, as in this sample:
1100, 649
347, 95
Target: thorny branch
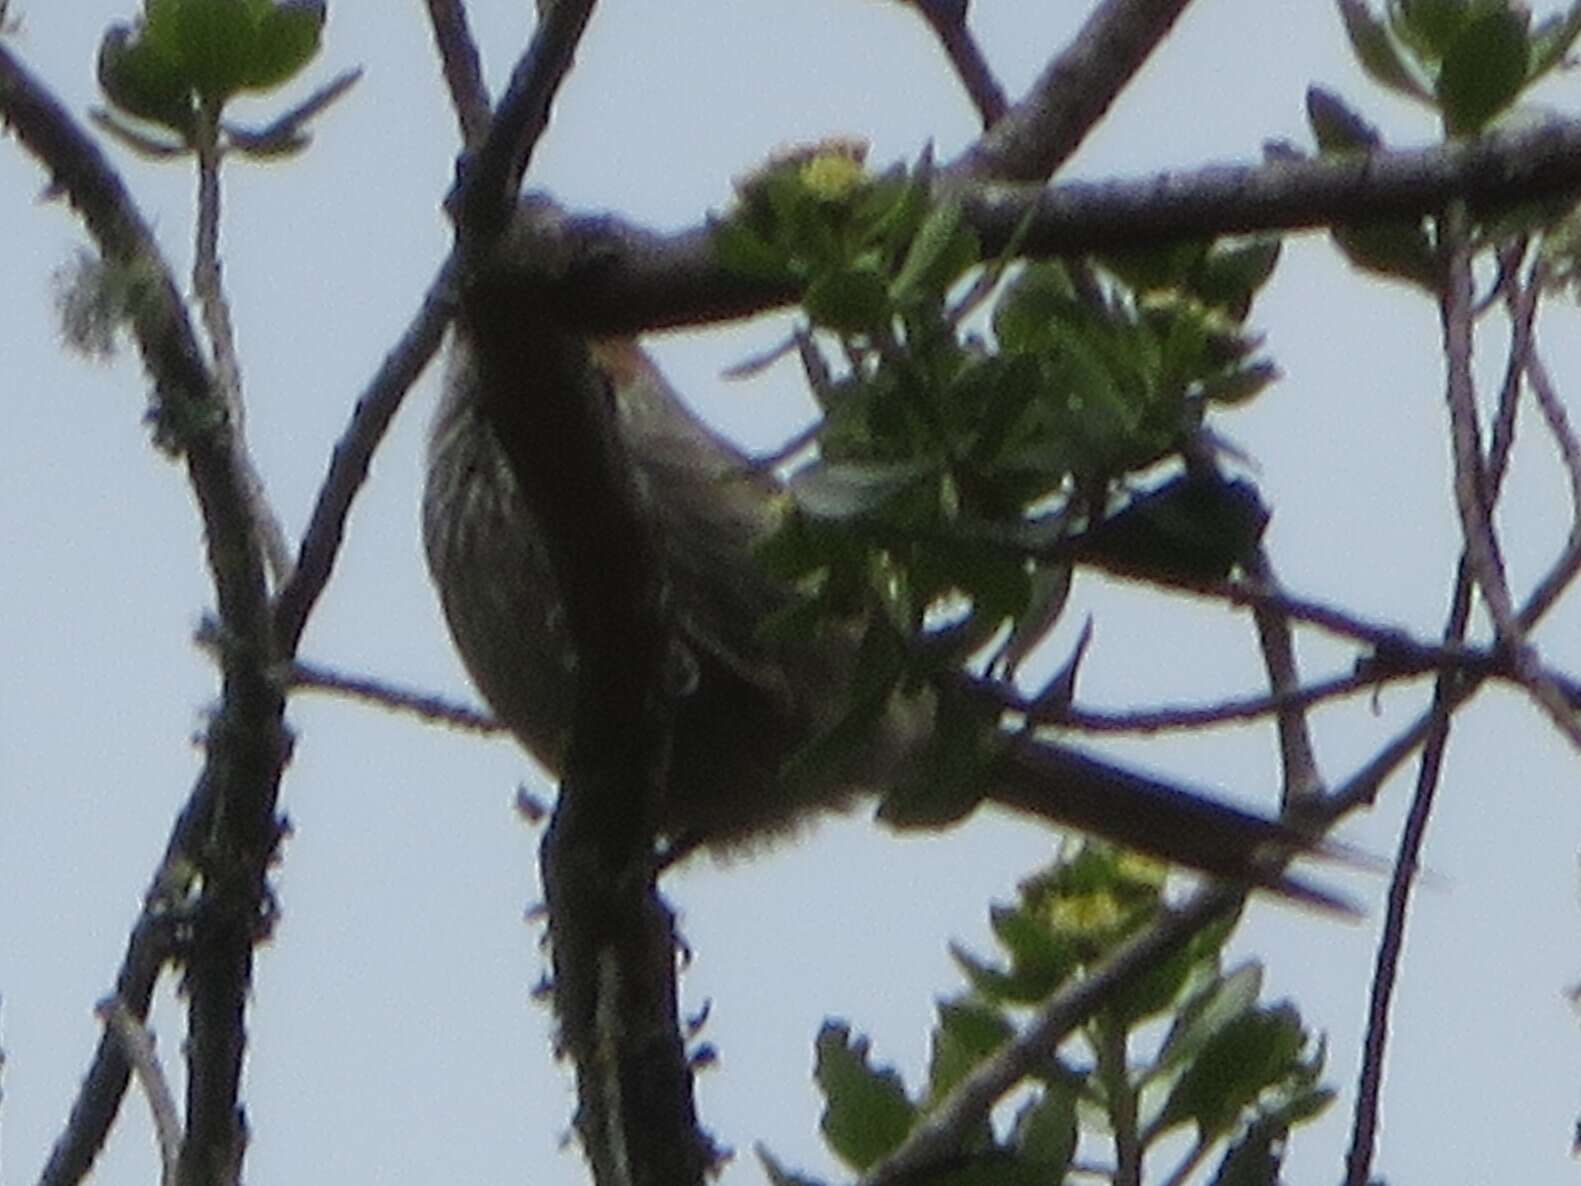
247, 745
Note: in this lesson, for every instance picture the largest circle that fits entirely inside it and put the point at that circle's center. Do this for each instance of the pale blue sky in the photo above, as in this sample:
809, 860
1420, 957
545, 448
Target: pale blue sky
393, 1038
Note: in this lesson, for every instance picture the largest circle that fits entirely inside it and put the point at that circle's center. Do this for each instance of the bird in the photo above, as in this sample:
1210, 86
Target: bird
754, 698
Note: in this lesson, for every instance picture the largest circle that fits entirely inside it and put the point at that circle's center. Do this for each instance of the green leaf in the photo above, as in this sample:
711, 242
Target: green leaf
1030, 301
1336, 125
286, 39
1240, 385
214, 48
1231, 276
216, 39
880, 666
1255, 1159
1045, 1130
1484, 70
1164, 266
1192, 528
1306, 1104
967, 1033
778, 1175
1398, 250
866, 1111
895, 206
838, 491
941, 251
948, 783
1552, 39
1251, 1054
990, 983
849, 300
1378, 52
1216, 1006
1430, 27
1155, 991
1040, 960
141, 78
741, 249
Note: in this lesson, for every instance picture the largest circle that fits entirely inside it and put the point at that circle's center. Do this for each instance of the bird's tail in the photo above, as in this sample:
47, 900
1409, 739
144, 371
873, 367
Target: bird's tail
1160, 818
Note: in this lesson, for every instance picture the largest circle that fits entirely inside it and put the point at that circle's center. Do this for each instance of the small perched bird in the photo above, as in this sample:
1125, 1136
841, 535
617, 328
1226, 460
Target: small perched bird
756, 699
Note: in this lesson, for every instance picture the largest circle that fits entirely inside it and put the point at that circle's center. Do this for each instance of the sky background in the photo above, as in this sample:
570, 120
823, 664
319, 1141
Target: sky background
393, 1035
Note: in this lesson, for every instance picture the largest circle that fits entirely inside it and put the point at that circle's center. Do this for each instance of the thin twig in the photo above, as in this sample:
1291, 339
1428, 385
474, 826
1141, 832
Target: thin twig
215, 308
137, 1046
1301, 780
1235, 710
458, 55
429, 707
1448, 692
1545, 690
1392, 644
487, 192
947, 19
286, 130
1563, 571
1391, 942
1521, 303
1068, 99
1558, 578
946, 1127
348, 466
1473, 496
151, 943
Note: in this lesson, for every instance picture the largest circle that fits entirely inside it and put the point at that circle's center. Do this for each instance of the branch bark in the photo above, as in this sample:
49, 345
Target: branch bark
247, 743
631, 279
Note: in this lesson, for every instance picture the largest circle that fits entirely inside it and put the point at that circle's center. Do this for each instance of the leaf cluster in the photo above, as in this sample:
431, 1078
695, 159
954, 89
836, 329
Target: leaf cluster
1189, 1048
991, 425
179, 63
1468, 61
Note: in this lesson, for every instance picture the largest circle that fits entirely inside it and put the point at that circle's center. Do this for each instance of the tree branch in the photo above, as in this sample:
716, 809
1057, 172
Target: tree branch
632, 279
1391, 942
1224, 712
1072, 94
426, 706
458, 55
947, 19
214, 307
1302, 782
1564, 569
486, 192
348, 467
137, 1045
612, 938
247, 744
